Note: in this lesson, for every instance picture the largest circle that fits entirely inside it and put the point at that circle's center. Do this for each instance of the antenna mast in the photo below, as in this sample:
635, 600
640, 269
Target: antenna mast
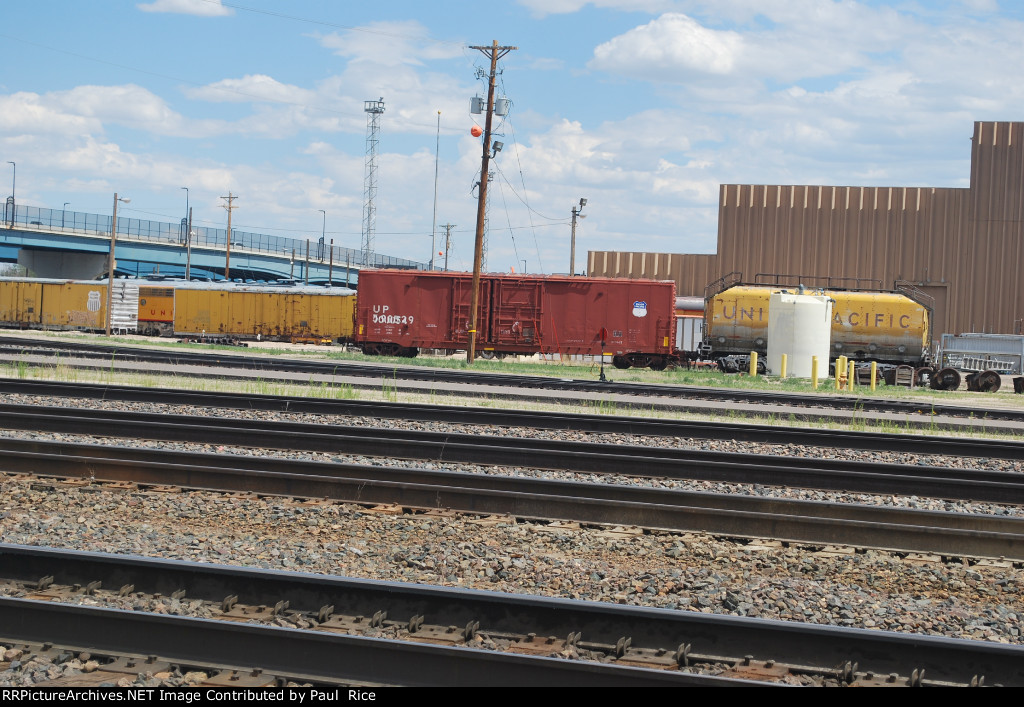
373, 110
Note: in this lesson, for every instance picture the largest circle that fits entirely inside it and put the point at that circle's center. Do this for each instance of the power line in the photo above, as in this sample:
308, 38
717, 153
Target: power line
349, 28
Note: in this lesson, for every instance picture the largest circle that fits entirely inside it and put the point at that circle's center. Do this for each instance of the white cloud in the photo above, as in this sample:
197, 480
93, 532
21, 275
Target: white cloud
203, 8
88, 110
31, 113
254, 87
782, 42
542, 8
672, 46
391, 44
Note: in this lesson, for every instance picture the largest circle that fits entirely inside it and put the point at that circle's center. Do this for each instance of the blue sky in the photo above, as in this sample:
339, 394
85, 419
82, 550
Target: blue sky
643, 107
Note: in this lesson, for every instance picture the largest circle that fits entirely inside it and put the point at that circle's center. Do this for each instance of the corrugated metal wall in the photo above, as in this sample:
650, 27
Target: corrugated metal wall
962, 246
684, 269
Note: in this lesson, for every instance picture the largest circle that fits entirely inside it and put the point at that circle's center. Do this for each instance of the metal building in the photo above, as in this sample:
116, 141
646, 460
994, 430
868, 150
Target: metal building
960, 246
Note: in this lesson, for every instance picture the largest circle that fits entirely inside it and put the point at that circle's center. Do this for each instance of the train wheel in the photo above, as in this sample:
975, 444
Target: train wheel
486, 355
923, 377
946, 379
658, 363
640, 360
620, 362
989, 381
371, 349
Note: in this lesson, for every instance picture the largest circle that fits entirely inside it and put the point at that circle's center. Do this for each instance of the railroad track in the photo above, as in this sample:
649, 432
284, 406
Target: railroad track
331, 627
432, 376
560, 455
736, 515
109, 667
615, 424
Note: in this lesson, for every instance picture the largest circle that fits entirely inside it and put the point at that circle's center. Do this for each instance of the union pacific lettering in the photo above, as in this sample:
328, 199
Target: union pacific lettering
744, 314
877, 320
381, 316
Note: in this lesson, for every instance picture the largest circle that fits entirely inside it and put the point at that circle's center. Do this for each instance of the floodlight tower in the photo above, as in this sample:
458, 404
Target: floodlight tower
373, 110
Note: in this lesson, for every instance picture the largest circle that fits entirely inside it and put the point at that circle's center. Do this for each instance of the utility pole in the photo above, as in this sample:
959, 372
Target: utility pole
447, 242
572, 247
494, 52
230, 206
487, 229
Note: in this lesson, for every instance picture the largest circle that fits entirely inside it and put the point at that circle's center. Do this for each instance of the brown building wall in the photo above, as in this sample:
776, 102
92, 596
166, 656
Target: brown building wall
961, 246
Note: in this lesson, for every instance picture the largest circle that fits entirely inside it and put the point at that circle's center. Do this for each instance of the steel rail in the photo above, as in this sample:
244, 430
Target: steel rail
945, 445
436, 375
826, 648
583, 457
321, 656
733, 515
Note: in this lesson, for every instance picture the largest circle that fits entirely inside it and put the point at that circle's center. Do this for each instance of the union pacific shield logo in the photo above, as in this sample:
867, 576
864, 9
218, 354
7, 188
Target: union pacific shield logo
639, 309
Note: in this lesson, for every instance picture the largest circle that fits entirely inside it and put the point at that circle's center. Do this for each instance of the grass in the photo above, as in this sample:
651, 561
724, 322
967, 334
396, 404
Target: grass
388, 391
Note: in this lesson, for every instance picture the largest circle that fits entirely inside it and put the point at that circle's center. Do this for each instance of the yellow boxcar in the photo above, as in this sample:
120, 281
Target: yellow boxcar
882, 326
156, 310
74, 305
286, 314
21, 302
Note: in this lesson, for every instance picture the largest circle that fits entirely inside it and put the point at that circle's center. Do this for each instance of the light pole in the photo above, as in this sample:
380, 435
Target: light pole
62, 211
572, 247
524, 267
323, 235
110, 261
188, 214
188, 248
14, 177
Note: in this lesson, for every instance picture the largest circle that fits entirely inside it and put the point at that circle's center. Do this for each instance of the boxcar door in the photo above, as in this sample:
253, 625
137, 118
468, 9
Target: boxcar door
515, 314
462, 298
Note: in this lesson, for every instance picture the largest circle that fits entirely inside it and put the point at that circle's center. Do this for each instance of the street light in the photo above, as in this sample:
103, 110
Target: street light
62, 210
188, 226
14, 176
110, 261
323, 234
572, 248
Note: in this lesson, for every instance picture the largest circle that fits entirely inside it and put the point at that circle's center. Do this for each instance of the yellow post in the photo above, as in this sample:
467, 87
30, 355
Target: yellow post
783, 366
840, 369
753, 363
814, 371
851, 376
874, 374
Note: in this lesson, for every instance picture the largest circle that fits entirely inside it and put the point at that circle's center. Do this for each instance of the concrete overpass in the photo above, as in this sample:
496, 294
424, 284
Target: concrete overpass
76, 245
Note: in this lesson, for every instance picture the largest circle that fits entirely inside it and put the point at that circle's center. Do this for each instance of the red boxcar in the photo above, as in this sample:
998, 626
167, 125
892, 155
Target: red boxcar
399, 312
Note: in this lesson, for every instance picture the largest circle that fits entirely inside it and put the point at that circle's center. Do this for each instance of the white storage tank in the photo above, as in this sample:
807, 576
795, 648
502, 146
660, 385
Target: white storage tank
800, 326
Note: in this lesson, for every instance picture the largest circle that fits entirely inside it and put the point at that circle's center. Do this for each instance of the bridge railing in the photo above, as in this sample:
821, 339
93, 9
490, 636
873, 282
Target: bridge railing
31, 217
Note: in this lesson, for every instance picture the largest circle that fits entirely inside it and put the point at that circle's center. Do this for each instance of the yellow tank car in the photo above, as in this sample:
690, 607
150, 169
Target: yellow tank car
879, 326
736, 320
